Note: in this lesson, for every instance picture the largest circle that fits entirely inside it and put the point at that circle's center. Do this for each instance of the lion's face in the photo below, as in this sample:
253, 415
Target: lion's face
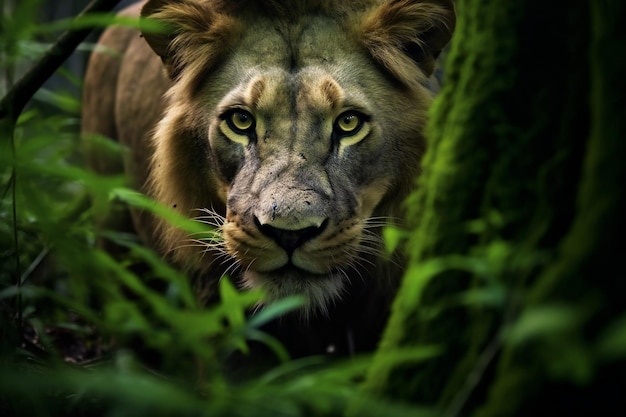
299, 139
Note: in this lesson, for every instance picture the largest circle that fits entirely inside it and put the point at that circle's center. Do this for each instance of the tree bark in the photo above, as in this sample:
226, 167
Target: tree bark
517, 217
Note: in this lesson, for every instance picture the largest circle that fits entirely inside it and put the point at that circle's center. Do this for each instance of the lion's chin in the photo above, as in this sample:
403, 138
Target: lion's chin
320, 290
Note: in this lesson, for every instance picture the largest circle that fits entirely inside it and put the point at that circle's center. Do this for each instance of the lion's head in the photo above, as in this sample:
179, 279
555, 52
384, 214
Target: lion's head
296, 128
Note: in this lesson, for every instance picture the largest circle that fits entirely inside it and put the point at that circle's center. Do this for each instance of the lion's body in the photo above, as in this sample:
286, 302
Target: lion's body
296, 127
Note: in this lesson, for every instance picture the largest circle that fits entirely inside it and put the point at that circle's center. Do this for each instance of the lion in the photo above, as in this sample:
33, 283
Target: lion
294, 127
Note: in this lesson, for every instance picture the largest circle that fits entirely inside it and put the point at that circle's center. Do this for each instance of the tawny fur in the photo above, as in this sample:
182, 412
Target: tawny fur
296, 68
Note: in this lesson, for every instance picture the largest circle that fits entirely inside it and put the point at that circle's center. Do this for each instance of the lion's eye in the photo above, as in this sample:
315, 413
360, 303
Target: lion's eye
348, 123
240, 121
350, 128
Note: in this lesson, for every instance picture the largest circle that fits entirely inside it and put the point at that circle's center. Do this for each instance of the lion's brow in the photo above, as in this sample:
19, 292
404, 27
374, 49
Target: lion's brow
256, 91
331, 92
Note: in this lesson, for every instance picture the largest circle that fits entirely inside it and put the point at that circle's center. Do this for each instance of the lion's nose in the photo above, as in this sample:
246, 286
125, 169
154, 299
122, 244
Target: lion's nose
290, 240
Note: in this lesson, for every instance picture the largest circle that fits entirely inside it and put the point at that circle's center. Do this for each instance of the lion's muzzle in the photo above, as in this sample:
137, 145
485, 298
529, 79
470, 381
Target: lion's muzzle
290, 240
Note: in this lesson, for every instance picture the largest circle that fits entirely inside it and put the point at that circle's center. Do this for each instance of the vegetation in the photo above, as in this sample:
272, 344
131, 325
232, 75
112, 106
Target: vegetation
512, 304
517, 224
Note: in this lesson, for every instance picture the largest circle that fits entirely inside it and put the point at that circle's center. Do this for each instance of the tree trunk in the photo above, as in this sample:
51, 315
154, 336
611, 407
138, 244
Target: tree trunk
518, 218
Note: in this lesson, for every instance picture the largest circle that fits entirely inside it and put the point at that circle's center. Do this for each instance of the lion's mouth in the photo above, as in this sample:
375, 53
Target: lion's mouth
319, 289
291, 271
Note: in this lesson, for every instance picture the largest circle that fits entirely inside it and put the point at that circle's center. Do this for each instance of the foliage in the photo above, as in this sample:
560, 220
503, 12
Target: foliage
517, 219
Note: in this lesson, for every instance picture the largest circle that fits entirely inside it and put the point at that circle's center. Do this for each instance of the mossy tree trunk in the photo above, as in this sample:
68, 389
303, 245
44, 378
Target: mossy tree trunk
516, 260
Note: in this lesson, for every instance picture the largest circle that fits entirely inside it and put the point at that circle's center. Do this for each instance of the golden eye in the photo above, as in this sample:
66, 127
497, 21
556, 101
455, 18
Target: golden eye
348, 123
240, 121
350, 128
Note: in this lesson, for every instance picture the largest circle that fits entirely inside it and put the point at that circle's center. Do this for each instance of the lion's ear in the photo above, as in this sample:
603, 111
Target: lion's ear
186, 30
159, 35
402, 33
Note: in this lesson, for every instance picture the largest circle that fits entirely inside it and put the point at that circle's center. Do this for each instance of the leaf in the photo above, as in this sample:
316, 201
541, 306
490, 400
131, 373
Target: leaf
276, 309
176, 219
162, 270
541, 321
62, 101
393, 237
233, 308
271, 342
102, 20
27, 116
612, 342
490, 296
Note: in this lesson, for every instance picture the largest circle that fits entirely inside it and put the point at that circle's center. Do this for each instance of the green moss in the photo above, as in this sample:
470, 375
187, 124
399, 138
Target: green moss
507, 138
